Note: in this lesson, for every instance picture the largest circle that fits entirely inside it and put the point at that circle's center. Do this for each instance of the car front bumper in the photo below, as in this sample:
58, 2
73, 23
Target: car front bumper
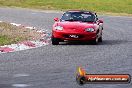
85, 36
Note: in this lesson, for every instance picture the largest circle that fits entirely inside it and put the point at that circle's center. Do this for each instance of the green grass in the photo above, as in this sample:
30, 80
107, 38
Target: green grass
5, 40
112, 6
10, 34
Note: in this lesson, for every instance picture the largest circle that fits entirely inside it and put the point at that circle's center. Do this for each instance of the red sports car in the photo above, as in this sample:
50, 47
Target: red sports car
77, 25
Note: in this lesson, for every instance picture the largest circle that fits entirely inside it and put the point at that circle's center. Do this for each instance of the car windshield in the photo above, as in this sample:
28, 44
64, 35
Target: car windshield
78, 16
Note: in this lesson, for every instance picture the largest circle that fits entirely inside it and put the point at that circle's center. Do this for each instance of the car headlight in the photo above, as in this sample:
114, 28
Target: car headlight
89, 29
59, 28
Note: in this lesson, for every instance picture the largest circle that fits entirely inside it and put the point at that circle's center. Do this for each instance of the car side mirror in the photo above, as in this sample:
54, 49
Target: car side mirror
100, 21
56, 19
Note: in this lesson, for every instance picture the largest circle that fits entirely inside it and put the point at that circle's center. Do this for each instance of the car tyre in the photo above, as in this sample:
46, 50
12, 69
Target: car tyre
95, 42
55, 41
100, 39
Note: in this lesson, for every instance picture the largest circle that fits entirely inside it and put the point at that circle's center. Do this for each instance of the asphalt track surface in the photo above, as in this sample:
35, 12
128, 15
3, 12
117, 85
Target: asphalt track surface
55, 66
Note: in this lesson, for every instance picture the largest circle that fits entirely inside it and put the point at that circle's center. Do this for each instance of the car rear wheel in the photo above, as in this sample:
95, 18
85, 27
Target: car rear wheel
55, 41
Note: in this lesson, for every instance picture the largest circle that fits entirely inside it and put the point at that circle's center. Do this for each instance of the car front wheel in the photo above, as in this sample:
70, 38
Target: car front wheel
100, 39
55, 41
95, 42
